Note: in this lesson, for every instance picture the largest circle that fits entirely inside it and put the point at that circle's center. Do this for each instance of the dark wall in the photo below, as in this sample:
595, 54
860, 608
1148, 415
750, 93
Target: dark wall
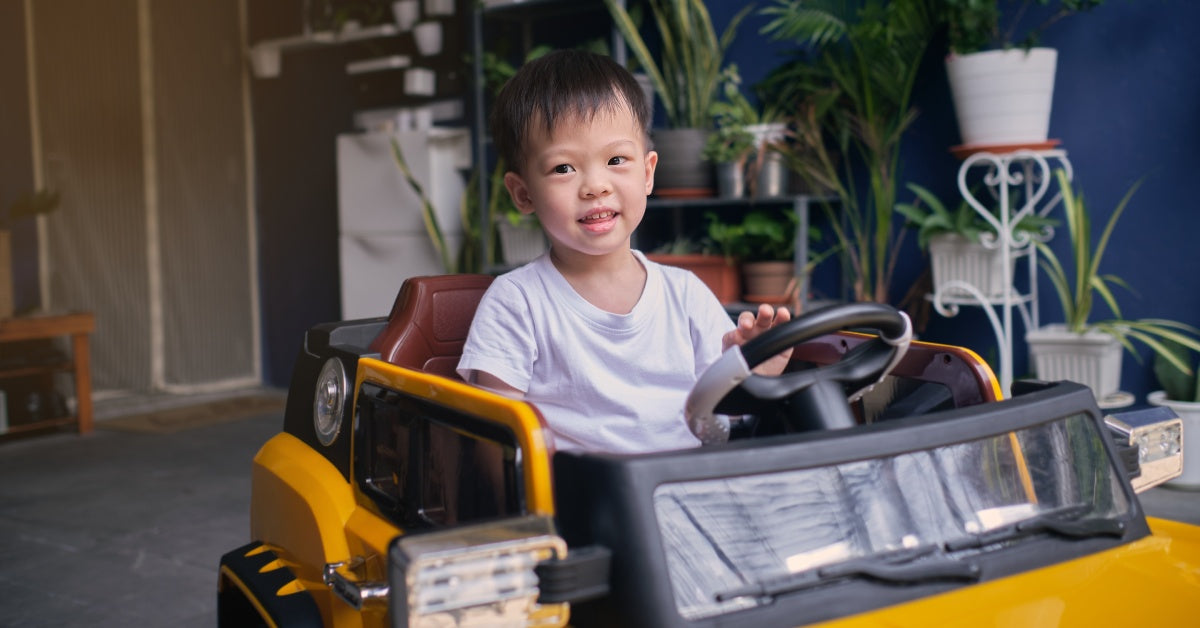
16, 174
297, 117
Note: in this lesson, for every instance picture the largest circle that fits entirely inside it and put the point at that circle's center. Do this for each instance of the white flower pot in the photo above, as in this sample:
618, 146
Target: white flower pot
428, 36
954, 258
405, 13
1003, 96
439, 7
522, 242
1190, 413
1092, 358
420, 82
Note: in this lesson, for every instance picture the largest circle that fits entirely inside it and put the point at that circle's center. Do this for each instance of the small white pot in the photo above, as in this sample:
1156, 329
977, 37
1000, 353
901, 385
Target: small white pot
439, 7
953, 257
406, 12
420, 82
1092, 358
1003, 96
1190, 413
429, 38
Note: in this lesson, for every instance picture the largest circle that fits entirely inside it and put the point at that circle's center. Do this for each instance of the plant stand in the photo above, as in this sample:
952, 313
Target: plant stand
1017, 183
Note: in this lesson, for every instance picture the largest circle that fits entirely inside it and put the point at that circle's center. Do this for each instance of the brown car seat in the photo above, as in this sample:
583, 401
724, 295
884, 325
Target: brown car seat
429, 321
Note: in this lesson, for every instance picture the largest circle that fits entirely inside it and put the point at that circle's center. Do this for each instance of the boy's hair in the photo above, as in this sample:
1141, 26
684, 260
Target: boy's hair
563, 84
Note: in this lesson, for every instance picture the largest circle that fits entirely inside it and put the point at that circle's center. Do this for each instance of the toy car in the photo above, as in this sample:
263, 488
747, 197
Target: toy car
398, 495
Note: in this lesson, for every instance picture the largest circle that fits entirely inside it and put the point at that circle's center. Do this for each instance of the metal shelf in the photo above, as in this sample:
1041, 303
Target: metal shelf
1028, 171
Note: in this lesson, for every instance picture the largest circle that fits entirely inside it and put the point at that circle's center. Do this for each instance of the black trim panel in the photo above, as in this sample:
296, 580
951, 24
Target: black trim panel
608, 500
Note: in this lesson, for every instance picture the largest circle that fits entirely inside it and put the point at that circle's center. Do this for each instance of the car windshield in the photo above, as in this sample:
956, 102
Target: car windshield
735, 542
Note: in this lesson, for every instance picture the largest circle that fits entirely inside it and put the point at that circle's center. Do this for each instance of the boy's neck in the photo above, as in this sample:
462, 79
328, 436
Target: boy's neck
613, 282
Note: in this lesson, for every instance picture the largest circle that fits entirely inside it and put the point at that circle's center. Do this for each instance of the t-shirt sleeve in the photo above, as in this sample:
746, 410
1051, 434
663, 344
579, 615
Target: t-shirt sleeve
501, 339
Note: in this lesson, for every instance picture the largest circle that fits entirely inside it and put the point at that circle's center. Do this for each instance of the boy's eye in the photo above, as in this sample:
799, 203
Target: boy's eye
616, 161
562, 169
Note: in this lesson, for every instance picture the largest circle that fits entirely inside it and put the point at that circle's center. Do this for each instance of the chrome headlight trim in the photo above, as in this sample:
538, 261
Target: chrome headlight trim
329, 401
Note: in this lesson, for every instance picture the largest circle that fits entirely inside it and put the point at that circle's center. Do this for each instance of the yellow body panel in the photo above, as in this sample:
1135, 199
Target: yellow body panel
1138, 584
518, 416
306, 510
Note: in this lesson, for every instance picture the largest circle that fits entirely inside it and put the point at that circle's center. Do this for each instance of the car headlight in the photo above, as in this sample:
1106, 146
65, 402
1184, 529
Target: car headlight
1157, 433
329, 401
475, 576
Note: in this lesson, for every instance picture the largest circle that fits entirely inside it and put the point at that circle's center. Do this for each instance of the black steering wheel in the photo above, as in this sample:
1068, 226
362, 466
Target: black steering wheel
807, 399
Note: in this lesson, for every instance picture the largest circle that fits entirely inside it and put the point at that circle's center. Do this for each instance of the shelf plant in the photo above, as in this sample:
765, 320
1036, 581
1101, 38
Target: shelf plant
686, 74
1078, 291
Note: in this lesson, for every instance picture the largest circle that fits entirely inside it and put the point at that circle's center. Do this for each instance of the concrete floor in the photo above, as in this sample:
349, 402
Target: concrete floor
123, 529
126, 529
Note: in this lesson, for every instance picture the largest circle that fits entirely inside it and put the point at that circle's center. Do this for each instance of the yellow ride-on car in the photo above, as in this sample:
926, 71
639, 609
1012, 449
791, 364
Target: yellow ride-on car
876, 482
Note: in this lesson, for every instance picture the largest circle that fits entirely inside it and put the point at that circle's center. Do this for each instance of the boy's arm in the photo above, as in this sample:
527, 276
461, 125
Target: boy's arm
484, 379
750, 326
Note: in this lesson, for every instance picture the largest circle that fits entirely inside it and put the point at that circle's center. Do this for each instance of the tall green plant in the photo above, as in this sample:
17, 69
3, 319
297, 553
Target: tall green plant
851, 84
687, 70
1077, 290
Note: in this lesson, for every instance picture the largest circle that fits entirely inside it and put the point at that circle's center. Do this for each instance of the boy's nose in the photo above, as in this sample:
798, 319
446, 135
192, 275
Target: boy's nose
595, 184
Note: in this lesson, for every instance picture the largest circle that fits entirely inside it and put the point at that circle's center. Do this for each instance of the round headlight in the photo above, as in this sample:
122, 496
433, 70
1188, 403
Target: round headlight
329, 401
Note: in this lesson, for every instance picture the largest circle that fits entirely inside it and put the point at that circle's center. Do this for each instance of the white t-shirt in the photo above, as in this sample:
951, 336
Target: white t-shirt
603, 381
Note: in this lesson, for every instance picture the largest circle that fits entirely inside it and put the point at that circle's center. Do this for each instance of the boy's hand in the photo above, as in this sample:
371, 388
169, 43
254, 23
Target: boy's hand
750, 326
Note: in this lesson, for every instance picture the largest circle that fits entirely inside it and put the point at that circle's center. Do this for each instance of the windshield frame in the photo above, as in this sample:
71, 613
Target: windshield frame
609, 499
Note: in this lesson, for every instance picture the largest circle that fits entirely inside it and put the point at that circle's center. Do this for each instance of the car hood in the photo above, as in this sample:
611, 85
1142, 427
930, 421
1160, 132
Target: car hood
1152, 581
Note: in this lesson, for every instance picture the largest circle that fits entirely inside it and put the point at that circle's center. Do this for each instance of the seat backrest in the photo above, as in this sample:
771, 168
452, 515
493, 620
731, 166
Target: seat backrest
429, 321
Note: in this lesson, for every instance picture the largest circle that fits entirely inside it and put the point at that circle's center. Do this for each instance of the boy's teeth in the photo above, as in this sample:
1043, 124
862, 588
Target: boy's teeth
598, 216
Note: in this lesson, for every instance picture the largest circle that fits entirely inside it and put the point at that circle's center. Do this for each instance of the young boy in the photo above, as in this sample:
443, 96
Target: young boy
606, 343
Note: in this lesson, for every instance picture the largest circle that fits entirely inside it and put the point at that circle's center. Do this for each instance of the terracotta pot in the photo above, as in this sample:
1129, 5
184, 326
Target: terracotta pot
720, 275
767, 281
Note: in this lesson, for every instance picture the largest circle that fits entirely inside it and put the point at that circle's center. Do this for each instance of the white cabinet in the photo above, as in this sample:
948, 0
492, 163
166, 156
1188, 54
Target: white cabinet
382, 235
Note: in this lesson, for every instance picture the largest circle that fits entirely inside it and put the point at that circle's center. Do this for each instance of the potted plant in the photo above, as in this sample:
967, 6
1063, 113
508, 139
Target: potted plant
732, 141
759, 133
850, 87
1180, 391
685, 74
1079, 349
964, 246
765, 242
718, 271
1001, 82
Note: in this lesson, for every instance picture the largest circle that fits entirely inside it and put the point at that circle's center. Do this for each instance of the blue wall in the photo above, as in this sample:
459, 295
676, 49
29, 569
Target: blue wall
1127, 107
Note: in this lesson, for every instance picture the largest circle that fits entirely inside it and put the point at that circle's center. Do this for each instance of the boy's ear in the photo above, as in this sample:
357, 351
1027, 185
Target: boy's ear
519, 192
651, 164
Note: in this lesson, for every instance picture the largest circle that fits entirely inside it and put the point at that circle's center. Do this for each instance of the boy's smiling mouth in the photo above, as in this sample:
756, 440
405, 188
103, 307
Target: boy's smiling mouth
599, 221
598, 216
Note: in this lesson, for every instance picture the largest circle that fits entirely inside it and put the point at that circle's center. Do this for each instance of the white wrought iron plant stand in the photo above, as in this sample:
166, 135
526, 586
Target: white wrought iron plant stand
1029, 171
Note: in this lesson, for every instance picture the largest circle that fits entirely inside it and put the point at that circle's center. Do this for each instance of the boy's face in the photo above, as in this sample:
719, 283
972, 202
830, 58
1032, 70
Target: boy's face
587, 182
